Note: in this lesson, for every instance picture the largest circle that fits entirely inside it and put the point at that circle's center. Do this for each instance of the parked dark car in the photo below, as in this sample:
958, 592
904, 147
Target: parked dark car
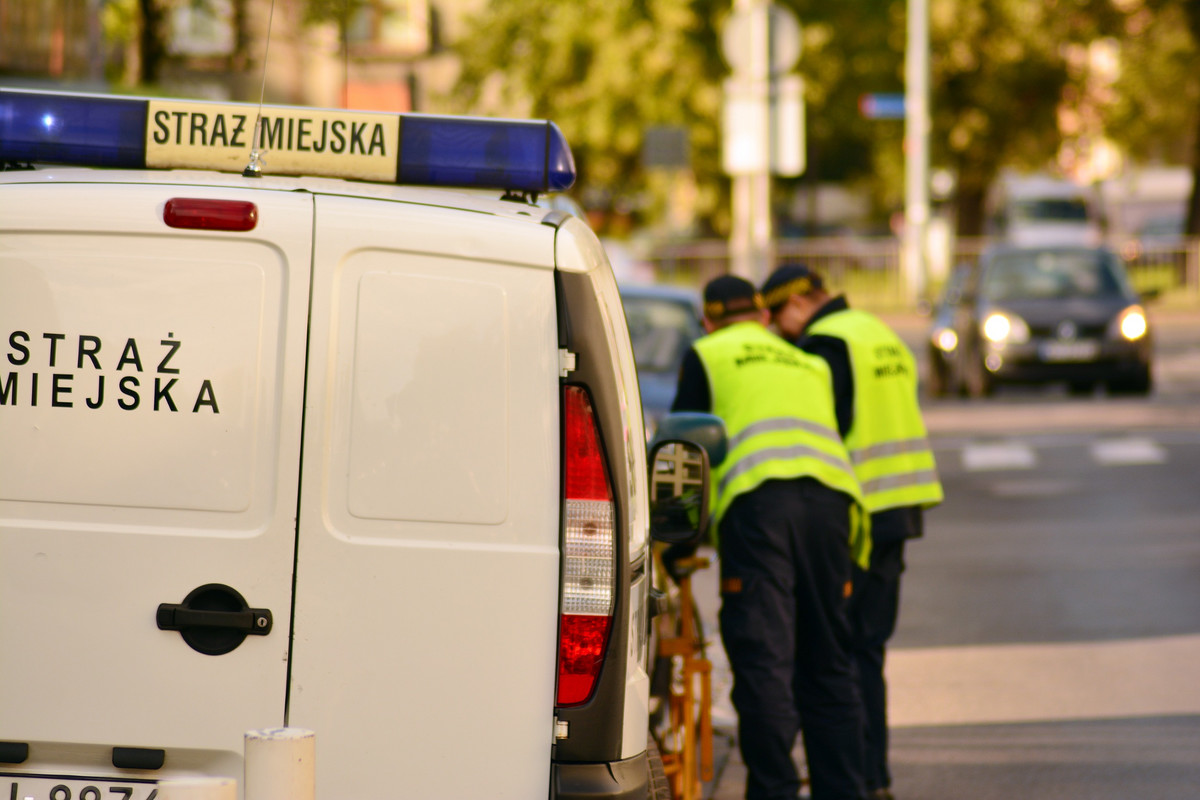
943, 340
1047, 314
663, 322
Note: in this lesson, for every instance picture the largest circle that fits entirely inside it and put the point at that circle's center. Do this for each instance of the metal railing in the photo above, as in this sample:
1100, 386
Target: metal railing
869, 269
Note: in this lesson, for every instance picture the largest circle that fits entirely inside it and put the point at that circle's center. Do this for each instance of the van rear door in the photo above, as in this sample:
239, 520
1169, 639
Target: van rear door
428, 563
150, 385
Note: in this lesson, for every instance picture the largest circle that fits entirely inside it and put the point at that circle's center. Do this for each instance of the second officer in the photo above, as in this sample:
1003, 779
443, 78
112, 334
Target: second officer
875, 388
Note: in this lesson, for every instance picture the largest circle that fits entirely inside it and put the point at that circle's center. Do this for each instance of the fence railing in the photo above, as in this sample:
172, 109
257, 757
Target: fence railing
870, 270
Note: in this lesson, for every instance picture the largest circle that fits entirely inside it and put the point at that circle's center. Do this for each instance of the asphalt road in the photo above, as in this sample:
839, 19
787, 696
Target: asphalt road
1050, 627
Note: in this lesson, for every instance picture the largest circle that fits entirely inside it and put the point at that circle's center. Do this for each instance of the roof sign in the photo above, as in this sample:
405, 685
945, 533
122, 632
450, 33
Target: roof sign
109, 131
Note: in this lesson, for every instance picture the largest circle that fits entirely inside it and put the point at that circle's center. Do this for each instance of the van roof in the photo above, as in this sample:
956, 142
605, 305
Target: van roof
485, 201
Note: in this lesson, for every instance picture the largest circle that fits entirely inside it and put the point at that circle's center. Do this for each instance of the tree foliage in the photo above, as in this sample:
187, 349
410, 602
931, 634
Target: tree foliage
1000, 71
604, 72
1156, 113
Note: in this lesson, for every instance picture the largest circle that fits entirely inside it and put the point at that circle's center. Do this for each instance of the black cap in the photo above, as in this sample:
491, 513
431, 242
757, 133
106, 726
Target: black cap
788, 280
728, 295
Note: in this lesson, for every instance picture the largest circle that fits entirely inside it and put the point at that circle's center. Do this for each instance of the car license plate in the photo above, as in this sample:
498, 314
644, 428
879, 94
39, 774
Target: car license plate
60, 787
1070, 351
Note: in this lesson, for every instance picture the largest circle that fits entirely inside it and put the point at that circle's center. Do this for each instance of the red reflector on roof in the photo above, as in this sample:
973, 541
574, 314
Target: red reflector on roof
210, 215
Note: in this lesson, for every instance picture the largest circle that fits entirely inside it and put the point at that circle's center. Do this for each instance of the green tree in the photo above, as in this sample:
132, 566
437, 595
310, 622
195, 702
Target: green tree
999, 71
604, 72
1156, 115
852, 49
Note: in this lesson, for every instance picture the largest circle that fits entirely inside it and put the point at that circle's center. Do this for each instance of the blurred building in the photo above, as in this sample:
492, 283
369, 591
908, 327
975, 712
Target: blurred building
387, 55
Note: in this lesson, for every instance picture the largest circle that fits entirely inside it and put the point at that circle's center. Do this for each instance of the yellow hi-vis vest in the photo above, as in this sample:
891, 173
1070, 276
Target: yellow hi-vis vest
887, 441
777, 405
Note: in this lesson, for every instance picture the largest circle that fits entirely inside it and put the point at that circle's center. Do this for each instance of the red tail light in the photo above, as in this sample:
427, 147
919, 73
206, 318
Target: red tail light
589, 553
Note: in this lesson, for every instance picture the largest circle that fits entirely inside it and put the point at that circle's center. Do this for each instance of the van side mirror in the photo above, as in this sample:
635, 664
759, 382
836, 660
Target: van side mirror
678, 491
705, 430
685, 447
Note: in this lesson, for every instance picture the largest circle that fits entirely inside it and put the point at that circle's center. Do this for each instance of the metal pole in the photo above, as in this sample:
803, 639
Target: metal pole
760, 246
739, 234
916, 146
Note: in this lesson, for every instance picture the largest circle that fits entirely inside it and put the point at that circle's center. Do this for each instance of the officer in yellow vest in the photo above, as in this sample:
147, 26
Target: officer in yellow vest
875, 389
785, 504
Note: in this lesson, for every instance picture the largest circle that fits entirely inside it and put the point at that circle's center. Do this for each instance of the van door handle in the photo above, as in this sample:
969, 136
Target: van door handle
177, 617
214, 619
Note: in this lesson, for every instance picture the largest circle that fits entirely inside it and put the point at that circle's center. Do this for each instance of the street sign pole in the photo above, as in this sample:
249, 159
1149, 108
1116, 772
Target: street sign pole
916, 150
763, 125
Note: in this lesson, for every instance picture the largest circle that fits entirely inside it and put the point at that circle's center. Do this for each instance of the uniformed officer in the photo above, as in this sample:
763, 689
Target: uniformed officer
785, 507
875, 389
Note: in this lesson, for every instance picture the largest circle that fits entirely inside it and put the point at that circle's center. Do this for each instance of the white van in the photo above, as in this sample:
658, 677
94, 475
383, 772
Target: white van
1043, 211
350, 455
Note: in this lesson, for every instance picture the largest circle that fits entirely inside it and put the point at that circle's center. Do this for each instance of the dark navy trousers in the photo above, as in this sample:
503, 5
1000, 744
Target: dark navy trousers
785, 572
873, 612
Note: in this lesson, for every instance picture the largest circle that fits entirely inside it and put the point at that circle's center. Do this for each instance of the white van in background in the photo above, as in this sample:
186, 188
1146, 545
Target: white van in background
1040, 210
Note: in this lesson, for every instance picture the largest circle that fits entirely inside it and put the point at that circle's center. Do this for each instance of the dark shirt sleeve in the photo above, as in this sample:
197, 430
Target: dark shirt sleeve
837, 356
897, 524
691, 393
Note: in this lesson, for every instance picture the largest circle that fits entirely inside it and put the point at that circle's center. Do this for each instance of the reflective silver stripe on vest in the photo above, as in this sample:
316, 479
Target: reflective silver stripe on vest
760, 457
783, 425
895, 448
888, 482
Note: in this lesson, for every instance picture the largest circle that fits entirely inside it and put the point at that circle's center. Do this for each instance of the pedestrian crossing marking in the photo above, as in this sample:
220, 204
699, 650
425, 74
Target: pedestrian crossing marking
1010, 455
1011, 683
1129, 450
1019, 455
1034, 487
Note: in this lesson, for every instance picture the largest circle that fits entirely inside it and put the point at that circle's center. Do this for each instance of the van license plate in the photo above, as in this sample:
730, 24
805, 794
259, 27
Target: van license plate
51, 787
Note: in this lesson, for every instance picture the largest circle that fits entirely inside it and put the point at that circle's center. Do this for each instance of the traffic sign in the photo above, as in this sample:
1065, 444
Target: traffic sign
882, 106
763, 126
741, 47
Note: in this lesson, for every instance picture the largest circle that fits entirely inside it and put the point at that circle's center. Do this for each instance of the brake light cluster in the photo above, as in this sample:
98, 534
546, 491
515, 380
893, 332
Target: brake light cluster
589, 552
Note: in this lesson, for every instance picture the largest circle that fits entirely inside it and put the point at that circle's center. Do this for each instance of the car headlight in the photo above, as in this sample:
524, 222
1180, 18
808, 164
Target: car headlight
945, 339
1000, 327
1131, 323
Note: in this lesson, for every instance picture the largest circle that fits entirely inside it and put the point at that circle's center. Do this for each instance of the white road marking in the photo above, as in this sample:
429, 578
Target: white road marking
1035, 487
1130, 450
1043, 682
1010, 455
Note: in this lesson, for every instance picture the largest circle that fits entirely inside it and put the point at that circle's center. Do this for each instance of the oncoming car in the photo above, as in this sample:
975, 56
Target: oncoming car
1048, 314
663, 322
343, 440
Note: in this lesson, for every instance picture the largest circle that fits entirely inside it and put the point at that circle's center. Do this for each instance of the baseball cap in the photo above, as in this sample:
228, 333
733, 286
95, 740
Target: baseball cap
788, 280
728, 295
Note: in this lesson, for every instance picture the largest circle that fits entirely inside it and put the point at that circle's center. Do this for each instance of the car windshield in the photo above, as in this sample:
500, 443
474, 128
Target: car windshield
1050, 274
1050, 210
661, 331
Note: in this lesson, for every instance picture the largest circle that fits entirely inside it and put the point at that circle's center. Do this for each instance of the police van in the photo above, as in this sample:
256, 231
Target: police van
312, 418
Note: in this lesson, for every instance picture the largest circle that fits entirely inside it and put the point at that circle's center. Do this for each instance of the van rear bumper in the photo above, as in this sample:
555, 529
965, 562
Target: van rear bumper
615, 780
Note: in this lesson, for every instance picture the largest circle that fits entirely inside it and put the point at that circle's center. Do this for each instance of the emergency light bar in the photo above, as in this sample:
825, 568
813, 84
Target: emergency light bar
424, 149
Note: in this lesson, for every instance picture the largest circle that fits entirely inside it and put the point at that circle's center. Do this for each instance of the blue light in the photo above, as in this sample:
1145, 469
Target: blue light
72, 129
508, 154
105, 131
